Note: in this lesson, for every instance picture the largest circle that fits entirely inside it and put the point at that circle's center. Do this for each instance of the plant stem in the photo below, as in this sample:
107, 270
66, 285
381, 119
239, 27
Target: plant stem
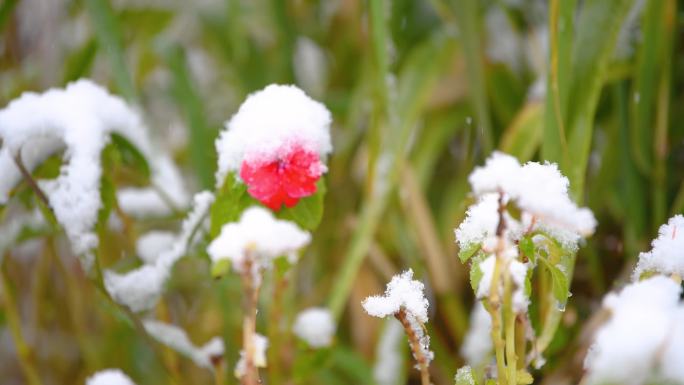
493, 307
24, 353
509, 319
251, 375
416, 348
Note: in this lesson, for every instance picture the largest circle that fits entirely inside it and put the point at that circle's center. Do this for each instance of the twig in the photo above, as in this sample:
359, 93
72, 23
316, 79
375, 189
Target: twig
416, 348
29, 179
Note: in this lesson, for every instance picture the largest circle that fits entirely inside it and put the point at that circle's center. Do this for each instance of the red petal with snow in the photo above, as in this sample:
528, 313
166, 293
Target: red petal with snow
285, 180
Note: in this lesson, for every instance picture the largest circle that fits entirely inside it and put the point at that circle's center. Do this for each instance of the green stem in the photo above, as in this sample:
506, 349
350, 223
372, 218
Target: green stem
493, 306
509, 329
25, 354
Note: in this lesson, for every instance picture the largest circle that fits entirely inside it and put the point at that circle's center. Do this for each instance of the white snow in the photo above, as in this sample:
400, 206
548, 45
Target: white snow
464, 375
109, 377
151, 244
16, 222
167, 194
477, 344
539, 190
631, 346
316, 326
258, 235
402, 292
518, 271
268, 123
177, 339
80, 120
260, 346
389, 356
667, 255
141, 288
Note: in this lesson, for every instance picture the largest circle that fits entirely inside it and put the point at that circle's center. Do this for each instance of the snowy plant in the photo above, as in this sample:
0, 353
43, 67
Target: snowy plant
667, 255
276, 144
315, 326
522, 218
79, 120
404, 300
252, 356
109, 377
141, 288
177, 339
250, 246
643, 339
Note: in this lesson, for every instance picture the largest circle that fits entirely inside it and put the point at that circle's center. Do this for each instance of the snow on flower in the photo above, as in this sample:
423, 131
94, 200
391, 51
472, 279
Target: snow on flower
78, 120
402, 292
642, 340
316, 326
260, 346
260, 236
539, 190
109, 377
477, 344
277, 143
667, 255
140, 289
176, 338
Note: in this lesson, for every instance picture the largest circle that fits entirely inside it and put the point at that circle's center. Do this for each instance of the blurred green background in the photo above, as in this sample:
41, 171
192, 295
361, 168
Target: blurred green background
421, 92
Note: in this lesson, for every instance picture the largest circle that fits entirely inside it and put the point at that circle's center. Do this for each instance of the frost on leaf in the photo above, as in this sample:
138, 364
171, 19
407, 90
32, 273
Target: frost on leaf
277, 143
176, 338
667, 253
259, 236
538, 191
79, 120
141, 288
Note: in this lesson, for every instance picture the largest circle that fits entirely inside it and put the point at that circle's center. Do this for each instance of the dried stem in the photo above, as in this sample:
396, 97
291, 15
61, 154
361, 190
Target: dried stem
251, 286
29, 179
416, 348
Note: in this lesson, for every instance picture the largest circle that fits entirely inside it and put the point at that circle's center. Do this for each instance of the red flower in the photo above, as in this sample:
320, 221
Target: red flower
287, 179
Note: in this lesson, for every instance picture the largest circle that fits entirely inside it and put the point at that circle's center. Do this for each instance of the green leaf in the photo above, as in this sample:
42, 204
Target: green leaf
78, 64
109, 37
464, 376
131, 156
108, 197
560, 283
189, 101
475, 271
220, 268
524, 377
521, 139
465, 254
598, 24
309, 211
526, 246
231, 200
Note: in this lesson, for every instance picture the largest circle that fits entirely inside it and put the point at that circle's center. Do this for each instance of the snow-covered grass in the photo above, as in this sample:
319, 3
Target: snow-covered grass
269, 192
